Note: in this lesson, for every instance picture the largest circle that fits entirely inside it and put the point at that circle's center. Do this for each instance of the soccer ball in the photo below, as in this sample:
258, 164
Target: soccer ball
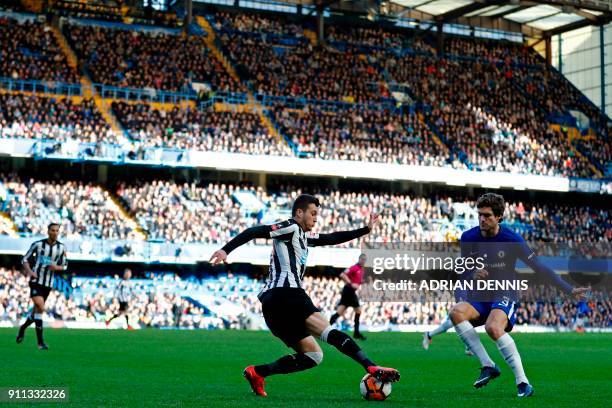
374, 390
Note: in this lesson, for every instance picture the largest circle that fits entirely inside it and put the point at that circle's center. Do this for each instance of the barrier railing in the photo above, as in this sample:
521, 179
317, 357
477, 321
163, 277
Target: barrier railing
49, 87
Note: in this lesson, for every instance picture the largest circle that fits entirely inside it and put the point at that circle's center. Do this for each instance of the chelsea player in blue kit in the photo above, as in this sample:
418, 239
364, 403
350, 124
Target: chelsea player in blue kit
500, 248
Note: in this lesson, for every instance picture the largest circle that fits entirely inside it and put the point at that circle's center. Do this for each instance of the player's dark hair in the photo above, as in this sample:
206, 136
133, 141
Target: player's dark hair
53, 224
302, 203
495, 201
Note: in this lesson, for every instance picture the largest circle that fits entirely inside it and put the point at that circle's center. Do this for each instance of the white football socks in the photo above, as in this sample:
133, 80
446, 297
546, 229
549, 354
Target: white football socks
466, 332
442, 328
507, 348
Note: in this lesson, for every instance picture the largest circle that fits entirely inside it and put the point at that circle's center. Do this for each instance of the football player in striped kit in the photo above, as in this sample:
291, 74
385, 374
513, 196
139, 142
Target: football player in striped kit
288, 310
43, 259
123, 293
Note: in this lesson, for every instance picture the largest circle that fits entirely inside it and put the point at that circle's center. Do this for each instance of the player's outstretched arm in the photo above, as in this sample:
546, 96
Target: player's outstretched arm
281, 231
340, 237
532, 261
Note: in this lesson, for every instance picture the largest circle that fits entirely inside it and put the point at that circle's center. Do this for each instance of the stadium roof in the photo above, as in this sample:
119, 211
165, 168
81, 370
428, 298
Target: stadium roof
536, 19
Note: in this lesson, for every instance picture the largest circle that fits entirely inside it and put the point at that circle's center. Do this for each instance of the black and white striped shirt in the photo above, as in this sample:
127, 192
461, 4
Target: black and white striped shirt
123, 291
43, 254
290, 249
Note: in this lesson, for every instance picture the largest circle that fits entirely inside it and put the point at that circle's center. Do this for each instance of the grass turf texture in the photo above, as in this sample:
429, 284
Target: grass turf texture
204, 368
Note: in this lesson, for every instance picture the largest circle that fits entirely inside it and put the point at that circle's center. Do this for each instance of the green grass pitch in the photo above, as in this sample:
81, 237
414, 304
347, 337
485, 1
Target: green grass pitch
204, 368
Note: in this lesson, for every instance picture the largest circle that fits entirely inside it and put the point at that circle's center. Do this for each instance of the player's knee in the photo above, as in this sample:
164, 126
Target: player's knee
457, 316
316, 356
494, 331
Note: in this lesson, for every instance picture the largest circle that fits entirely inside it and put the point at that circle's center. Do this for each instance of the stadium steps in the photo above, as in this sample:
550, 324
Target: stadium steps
140, 234
7, 226
65, 47
212, 46
574, 133
86, 85
435, 137
311, 35
106, 112
270, 126
252, 107
71, 57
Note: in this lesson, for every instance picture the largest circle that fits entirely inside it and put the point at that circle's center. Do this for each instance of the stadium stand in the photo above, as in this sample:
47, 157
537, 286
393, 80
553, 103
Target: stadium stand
383, 135
30, 51
54, 117
164, 301
481, 105
141, 59
82, 209
213, 213
199, 129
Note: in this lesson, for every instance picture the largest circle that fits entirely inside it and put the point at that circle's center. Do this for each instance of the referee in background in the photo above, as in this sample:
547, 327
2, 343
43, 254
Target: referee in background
40, 263
123, 293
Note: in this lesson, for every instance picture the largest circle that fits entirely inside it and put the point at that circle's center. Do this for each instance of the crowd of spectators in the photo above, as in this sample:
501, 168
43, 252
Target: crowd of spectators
211, 213
490, 110
150, 306
185, 212
107, 10
373, 135
198, 129
158, 302
56, 118
81, 209
305, 70
493, 125
376, 37
599, 152
29, 50
254, 24
148, 60
492, 51
561, 223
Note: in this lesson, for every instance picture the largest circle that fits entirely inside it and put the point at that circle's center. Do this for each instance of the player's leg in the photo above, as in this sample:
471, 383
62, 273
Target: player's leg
39, 308
462, 314
116, 315
496, 326
127, 318
25, 325
34, 291
339, 313
357, 334
285, 313
442, 328
309, 355
318, 326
